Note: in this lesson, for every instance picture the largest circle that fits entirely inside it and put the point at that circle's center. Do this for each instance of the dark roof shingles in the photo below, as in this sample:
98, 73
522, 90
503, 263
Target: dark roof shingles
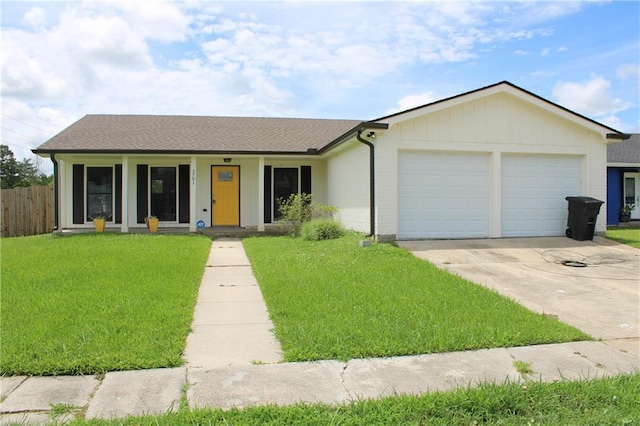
196, 134
625, 152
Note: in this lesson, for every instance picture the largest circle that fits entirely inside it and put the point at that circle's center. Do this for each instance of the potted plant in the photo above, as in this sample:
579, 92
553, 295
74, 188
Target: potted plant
99, 222
625, 213
152, 223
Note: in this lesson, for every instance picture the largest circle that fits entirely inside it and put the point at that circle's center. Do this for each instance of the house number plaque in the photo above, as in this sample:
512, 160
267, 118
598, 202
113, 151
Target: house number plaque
225, 176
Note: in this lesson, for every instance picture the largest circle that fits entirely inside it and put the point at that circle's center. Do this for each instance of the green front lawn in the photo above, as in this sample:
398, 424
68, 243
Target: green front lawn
608, 401
337, 300
630, 236
91, 303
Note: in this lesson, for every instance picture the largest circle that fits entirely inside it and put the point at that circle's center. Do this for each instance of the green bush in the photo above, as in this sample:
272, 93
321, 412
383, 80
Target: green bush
321, 229
299, 209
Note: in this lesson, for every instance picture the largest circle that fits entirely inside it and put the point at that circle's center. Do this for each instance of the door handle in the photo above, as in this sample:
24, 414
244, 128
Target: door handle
213, 201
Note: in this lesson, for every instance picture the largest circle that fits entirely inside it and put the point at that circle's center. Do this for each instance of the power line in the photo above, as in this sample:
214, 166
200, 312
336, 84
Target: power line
26, 124
18, 133
16, 144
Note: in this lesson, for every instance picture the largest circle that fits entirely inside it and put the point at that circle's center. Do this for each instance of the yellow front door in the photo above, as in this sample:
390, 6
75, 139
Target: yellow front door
225, 195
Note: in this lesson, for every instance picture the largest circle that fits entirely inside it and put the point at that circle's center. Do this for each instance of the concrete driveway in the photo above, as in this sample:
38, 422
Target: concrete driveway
600, 295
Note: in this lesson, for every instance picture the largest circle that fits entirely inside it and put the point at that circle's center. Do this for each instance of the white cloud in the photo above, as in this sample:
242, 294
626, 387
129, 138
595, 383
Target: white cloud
231, 58
157, 20
36, 17
520, 53
535, 12
412, 101
109, 40
628, 71
613, 121
542, 73
545, 51
592, 98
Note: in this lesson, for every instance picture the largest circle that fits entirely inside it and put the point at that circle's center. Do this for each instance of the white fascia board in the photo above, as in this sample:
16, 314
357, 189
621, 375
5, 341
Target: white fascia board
630, 165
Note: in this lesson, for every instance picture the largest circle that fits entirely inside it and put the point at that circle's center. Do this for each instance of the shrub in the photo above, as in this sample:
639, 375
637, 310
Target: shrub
321, 229
299, 209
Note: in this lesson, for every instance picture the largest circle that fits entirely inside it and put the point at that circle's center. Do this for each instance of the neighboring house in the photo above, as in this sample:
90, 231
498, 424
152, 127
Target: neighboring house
494, 162
623, 178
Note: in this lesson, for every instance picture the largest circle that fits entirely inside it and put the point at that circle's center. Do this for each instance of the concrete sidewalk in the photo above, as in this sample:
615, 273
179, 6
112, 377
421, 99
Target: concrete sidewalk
132, 393
234, 361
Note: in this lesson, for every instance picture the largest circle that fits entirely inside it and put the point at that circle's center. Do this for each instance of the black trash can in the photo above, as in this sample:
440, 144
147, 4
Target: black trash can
583, 212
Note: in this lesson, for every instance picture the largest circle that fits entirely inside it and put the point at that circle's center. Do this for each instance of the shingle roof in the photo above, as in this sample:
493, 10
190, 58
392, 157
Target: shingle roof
135, 133
625, 152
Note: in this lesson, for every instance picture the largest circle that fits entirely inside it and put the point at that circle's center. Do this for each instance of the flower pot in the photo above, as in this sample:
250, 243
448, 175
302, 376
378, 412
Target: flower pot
152, 224
625, 217
99, 223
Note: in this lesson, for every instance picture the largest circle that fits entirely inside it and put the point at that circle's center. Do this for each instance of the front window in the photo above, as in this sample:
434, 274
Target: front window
99, 192
285, 183
629, 190
163, 193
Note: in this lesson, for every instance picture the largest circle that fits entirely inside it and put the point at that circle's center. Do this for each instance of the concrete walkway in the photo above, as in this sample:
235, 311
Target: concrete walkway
233, 361
231, 325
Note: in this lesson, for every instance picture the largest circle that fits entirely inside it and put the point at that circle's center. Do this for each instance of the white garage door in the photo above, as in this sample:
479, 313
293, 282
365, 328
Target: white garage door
443, 195
533, 192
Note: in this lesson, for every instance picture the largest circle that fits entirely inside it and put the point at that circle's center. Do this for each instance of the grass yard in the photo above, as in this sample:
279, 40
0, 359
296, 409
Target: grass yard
630, 236
91, 303
336, 300
608, 401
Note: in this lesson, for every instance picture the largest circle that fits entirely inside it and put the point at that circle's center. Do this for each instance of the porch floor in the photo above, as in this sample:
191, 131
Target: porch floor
215, 232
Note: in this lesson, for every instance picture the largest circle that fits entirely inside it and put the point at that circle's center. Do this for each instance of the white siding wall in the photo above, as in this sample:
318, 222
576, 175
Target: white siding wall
497, 124
348, 186
597, 182
250, 210
386, 185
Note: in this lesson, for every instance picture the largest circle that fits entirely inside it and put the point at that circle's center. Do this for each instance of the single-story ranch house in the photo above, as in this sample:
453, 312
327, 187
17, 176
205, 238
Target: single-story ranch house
623, 178
494, 162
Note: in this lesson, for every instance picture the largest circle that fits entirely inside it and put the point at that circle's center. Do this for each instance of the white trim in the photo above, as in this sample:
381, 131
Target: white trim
261, 194
635, 213
193, 177
124, 226
629, 165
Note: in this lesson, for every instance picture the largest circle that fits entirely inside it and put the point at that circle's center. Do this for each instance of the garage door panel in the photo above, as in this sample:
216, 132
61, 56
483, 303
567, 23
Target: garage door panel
533, 192
451, 191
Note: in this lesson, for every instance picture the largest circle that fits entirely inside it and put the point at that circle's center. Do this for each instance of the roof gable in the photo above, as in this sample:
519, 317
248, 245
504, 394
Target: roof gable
501, 87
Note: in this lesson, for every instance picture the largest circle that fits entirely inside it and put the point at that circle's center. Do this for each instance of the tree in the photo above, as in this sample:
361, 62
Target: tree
9, 170
15, 173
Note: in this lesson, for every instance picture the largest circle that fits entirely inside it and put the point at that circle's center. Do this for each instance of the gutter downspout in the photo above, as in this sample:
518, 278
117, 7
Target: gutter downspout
56, 179
372, 189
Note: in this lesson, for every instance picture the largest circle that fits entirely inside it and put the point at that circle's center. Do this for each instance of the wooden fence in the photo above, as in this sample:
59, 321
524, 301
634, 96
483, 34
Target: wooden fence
27, 211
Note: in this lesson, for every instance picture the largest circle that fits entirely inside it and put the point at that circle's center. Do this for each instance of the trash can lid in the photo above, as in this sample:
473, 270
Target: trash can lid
584, 200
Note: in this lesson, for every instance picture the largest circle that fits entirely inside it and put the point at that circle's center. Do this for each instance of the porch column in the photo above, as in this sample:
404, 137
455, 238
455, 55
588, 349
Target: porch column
193, 218
124, 226
260, 194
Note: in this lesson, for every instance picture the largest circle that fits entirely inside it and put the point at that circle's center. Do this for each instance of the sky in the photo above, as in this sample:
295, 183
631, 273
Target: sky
354, 60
